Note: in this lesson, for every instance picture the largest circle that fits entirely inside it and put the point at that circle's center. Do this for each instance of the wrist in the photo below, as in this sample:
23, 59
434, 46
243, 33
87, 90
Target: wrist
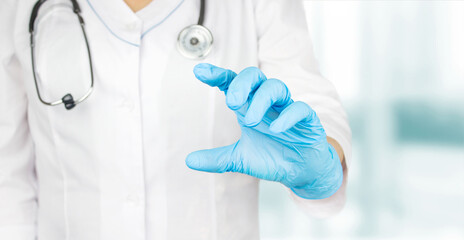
338, 148
325, 185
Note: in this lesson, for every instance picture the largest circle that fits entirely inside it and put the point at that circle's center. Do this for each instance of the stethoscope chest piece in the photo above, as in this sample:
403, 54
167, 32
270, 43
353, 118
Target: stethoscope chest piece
195, 42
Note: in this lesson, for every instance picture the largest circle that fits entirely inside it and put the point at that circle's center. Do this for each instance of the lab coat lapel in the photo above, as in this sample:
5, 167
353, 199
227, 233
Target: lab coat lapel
117, 17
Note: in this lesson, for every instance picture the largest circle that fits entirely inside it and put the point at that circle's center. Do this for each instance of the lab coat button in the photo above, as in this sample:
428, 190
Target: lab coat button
127, 104
131, 26
133, 200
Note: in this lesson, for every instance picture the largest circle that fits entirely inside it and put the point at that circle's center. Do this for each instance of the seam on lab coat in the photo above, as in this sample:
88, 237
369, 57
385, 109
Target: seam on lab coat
64, 176
65, 198
163, 20
212, 107
107, 27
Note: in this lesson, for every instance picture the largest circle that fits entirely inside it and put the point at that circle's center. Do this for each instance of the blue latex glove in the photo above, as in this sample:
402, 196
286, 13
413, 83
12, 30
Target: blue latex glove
281, 140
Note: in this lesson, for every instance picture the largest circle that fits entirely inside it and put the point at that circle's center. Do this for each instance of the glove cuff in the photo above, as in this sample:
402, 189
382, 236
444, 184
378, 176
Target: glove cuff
327, 184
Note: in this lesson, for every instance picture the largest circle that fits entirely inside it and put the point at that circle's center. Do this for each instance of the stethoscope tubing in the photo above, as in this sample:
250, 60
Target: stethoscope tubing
68, 99
201, 19
77, 11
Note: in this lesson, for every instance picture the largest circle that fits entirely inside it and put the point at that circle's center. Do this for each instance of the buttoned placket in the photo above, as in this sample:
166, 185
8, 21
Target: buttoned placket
129, 29
134, 206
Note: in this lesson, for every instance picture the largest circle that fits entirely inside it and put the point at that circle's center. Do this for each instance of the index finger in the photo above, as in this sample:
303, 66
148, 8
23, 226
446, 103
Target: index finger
214, 76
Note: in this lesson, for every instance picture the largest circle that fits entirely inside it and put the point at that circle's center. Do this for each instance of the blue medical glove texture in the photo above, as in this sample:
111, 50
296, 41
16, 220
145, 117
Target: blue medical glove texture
281, 140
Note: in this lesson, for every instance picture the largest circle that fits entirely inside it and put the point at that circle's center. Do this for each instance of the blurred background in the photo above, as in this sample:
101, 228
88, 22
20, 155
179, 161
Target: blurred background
399, 69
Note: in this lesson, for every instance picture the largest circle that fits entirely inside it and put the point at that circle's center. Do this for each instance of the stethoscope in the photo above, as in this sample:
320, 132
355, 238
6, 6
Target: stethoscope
194, 42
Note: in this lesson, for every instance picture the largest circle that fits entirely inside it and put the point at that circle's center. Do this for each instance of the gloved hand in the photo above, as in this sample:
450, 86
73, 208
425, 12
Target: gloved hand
281, 140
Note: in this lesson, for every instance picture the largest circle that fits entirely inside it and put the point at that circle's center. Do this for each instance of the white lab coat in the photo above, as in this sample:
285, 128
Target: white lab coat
113, 168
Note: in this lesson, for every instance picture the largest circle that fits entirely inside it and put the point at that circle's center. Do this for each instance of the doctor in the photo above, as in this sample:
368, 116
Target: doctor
118, 164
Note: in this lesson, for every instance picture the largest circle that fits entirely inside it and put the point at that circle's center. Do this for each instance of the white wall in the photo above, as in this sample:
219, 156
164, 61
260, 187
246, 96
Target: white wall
399, 68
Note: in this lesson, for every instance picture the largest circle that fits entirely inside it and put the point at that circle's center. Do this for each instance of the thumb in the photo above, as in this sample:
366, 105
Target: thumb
214, 160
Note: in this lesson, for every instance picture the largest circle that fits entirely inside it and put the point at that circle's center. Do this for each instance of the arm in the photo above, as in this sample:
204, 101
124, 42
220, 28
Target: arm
283, 139
285, 52
17, 179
